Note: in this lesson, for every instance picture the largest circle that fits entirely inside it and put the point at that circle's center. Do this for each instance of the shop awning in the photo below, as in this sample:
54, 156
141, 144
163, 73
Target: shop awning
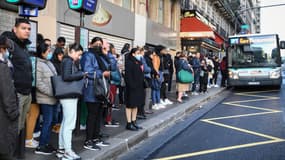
192, 27
218, 39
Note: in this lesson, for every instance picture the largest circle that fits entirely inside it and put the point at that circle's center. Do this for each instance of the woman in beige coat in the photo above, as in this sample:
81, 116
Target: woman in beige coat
45, 98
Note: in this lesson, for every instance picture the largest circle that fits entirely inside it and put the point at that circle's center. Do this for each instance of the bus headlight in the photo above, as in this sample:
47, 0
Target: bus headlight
275, 74
233, 75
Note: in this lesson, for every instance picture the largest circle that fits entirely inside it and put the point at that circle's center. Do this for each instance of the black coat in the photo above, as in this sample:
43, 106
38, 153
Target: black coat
20, 59
134, 83
70, 71
9, 111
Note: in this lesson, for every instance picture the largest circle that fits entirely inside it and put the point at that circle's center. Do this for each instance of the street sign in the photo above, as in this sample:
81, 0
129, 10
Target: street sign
86, 6
90, 5
27, 11
31, 3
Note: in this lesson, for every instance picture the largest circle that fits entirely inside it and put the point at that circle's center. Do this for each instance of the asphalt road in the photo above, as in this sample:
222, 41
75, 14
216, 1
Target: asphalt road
243, 125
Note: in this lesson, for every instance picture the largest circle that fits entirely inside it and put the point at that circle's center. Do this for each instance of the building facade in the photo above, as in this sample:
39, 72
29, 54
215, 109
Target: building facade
137, 22
219, 19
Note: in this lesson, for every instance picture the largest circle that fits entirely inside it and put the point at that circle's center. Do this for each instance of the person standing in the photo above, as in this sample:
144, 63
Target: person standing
147, 82
22, 76
197, 68
164, 71
70, 72
223, 67
216, 71
94, 61
9, 110
134, 88
44, 96
56, 60
182, 64
204, 73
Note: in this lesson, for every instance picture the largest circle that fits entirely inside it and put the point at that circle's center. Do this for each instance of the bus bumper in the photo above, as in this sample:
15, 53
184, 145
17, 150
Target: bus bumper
269, 82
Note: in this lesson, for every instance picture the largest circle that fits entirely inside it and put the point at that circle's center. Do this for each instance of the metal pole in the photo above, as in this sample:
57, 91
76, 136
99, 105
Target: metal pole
81, 19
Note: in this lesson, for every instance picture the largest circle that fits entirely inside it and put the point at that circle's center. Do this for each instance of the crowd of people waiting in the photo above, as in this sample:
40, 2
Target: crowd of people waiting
141, 75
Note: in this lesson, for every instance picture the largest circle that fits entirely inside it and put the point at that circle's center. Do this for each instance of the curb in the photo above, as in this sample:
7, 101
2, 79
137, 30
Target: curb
124, 141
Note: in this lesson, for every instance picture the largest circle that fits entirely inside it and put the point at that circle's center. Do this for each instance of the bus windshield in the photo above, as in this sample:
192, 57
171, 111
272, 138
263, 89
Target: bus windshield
255, 51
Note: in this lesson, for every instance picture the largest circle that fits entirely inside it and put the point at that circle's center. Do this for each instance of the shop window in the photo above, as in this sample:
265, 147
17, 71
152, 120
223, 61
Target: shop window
160, 11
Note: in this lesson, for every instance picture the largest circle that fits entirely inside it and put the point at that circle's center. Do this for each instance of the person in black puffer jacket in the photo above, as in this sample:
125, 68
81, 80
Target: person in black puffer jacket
22, 75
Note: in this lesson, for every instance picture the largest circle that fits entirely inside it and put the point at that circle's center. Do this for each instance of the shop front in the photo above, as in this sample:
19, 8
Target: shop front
196, 36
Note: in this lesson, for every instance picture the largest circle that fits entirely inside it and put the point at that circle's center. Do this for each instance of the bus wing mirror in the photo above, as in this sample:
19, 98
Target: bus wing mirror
282, 44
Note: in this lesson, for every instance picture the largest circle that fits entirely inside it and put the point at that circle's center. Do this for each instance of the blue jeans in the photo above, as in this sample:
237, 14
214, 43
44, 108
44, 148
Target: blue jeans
57, 114
155, 96
47, 112
196, 79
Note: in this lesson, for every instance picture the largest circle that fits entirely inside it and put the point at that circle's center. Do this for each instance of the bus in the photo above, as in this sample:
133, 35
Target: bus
254, 60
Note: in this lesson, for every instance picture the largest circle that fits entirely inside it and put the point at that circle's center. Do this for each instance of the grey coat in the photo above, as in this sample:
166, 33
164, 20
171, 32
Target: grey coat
9, 111
44, 92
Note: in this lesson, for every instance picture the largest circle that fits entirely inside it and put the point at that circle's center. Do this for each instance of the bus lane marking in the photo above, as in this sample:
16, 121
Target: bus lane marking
211, 121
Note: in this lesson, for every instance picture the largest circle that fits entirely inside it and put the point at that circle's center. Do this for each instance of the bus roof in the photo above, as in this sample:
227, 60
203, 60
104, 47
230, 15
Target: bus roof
251, 35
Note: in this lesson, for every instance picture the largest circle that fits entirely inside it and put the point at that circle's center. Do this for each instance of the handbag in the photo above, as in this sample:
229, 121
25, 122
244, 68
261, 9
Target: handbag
147, 82
101, 89
63, 89
116, 77
185, 76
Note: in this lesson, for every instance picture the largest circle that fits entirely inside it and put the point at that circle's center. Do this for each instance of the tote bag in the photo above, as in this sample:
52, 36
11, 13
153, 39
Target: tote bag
63, 89
185, 76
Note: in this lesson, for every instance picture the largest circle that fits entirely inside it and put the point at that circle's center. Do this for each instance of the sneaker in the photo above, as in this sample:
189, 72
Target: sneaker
71, 155
59, 153
37, 134
91, 146
44, 150
101, 143
113, 123
163, 102
161, 106
195, 94
31, 143
155, 107
216, 86
168, 101
208, 86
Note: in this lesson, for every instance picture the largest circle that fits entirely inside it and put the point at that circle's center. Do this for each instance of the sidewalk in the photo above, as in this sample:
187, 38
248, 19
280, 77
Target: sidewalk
122, 140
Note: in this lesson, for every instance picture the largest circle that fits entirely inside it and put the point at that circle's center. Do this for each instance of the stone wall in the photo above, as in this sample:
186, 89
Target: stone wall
7, 20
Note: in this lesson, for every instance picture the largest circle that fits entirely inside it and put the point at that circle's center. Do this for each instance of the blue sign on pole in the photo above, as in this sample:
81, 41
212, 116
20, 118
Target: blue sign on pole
27, 11
38, 3
85, 6
89, 5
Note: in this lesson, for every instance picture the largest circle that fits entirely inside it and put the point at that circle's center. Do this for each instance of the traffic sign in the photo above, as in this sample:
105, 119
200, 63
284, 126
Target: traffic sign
27, 11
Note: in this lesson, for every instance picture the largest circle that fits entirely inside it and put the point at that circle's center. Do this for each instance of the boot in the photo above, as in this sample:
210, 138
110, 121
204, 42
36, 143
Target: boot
131, 127
136, 125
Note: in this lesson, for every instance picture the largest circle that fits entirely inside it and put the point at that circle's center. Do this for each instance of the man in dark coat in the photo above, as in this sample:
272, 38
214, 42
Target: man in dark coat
9, 111
22, 75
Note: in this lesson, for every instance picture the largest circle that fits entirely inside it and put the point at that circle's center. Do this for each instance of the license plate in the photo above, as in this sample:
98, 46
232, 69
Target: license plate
254, 83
